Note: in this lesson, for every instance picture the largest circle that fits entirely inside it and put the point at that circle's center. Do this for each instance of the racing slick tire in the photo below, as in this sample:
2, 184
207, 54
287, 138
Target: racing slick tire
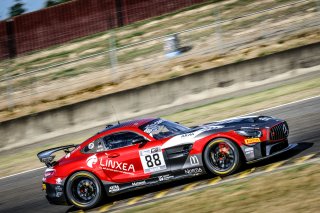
222, 157
84, 190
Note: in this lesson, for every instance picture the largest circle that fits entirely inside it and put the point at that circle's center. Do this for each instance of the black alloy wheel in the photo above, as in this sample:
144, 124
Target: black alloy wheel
222, 157
84, 190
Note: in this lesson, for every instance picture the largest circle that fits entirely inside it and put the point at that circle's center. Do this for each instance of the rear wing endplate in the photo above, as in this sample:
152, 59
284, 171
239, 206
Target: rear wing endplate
46, 156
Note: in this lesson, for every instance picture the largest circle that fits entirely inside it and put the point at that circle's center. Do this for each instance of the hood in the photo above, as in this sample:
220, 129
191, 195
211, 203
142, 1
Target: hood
240, 122
236, 123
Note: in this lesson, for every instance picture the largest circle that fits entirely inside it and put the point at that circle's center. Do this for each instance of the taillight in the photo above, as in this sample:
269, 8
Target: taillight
49, 173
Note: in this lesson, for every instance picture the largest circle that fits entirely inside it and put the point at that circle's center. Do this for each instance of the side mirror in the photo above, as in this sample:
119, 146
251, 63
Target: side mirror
139, 139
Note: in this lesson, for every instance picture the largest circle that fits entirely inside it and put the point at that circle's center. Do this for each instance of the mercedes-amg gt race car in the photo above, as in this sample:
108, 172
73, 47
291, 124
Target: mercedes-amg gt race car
145, 152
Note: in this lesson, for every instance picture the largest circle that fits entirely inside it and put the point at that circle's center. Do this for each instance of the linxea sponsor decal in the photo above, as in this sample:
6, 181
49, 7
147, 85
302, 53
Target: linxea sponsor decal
114, 188
116, 166
193, 171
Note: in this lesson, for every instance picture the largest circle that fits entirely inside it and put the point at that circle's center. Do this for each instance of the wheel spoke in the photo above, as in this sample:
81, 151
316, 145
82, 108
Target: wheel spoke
222, 156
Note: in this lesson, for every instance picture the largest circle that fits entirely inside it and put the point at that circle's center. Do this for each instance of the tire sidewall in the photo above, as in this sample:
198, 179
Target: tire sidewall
69, 193
210, 167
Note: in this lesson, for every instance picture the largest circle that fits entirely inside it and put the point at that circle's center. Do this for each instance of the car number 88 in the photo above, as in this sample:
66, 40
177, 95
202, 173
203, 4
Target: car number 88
152, 160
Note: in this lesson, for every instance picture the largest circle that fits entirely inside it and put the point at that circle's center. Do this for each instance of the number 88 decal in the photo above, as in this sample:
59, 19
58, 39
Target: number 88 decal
156, 160
152, 160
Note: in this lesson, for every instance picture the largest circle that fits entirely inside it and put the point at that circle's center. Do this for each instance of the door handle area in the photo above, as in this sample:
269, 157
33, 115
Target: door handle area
113, 155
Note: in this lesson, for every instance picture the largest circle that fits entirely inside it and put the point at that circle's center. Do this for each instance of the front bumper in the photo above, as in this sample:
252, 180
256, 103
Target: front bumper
264, 150
55, 194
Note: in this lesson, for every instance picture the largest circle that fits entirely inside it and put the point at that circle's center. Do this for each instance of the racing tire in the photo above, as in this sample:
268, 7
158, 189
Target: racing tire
84, 190
222, 157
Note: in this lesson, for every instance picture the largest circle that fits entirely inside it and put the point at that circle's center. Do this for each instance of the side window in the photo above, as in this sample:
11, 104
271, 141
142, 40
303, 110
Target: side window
119, 140
95, 146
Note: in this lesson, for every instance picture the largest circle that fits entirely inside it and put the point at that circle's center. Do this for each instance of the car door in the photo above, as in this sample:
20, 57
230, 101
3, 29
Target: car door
122, 161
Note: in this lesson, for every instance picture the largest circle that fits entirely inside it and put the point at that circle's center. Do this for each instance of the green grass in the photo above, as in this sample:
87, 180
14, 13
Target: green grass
241, 105
130, 55
291, 190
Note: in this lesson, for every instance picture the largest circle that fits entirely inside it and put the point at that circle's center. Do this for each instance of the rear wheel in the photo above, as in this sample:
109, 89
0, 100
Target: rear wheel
222, 157
84, 190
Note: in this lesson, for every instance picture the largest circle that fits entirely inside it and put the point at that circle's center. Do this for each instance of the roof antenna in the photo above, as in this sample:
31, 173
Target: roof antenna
115, 113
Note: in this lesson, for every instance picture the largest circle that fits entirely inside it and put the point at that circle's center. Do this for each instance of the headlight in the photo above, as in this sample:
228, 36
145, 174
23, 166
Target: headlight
250, 133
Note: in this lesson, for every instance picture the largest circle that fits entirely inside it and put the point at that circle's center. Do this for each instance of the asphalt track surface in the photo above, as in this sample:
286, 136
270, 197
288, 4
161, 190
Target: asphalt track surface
22, 193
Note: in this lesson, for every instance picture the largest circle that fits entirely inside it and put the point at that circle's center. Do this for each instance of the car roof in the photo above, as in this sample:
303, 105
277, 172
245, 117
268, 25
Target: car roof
130, 124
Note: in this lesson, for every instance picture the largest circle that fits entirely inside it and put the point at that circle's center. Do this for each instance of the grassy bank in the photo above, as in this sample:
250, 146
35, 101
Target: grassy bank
292, 190
241, 39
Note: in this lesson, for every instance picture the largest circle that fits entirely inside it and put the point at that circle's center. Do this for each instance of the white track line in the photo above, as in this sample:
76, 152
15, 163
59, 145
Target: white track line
20, 173
282, 105
270, 108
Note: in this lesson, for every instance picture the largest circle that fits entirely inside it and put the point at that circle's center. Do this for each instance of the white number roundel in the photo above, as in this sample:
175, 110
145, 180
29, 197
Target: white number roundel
152, 160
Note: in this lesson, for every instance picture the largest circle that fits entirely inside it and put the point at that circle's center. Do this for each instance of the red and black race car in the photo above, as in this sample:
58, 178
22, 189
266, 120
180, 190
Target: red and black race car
146, 152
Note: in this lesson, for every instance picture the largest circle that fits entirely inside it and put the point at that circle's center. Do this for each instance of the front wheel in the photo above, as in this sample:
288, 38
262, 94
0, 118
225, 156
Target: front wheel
222, 157
84, 190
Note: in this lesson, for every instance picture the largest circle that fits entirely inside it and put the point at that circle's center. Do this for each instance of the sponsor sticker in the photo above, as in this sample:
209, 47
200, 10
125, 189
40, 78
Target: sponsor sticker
139, 183
194, 160
116, 166
91, 146
58, 181
114, 188
58, 194
187, 135
213, 127
248, 150
252, 140
264, 118
165, 177
59, 191
92, 160
152, 127
194, 171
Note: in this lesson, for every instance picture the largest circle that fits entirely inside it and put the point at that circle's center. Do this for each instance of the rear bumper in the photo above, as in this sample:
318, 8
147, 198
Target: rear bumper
55, 194
264, 150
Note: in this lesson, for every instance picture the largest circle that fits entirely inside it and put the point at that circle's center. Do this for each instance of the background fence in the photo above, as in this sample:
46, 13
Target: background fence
210, 35
75, 19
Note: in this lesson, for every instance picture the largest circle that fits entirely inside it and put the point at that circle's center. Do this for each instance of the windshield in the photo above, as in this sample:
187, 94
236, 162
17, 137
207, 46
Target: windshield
161, 128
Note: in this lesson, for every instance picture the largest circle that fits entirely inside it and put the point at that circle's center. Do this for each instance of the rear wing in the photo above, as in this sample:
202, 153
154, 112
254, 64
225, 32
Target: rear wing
46, 156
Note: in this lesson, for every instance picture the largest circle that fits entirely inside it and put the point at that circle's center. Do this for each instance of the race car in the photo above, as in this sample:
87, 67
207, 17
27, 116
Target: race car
145, 152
